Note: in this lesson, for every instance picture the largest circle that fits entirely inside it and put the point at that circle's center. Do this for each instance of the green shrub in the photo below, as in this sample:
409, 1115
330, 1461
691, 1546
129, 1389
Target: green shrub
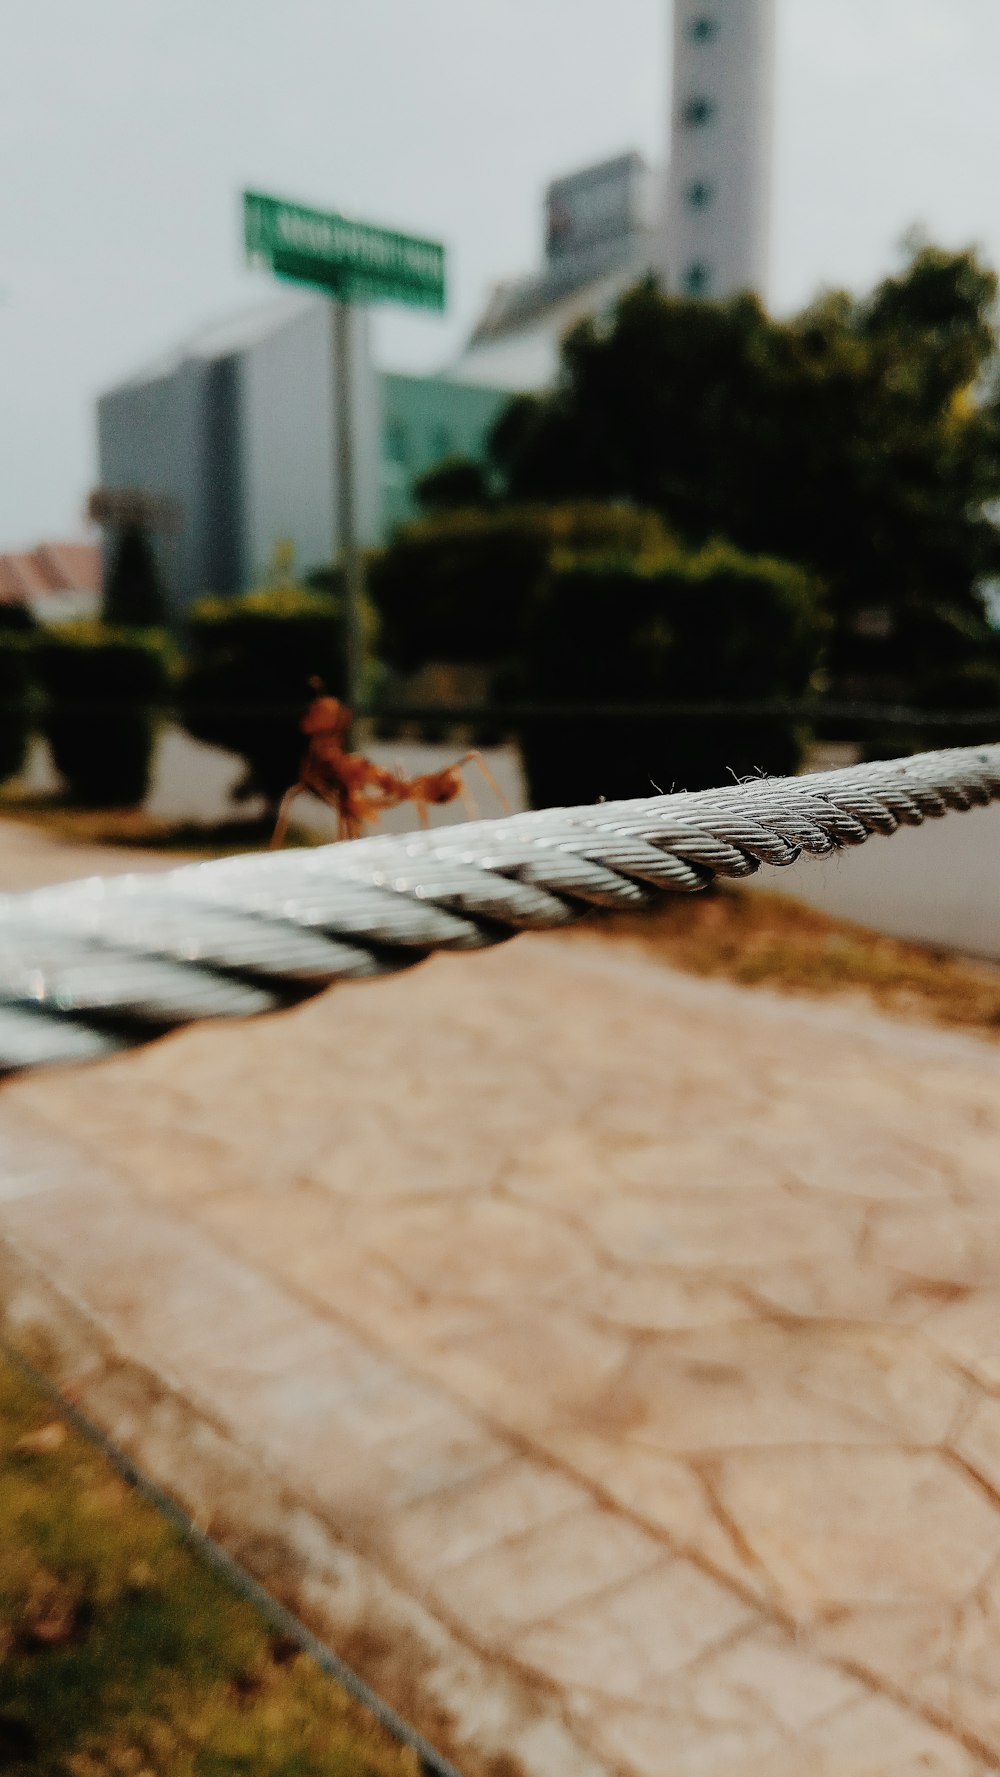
459, 587
677, 627
16, 698
103, 688
455, 484
247, 681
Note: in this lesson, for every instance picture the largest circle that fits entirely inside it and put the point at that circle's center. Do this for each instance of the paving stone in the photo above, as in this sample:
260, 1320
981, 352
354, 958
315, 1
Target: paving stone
969, 1331
766, 1677
457, 1523
480, 1247
529, 1367
531, 1577
564, 1327
946, 1660
760, 1384
363, 1445
649, 1298
954, 1244
873, 1738
159, 1284
876, 1737
655, 1743
662, 1492
837, 1527
977, 1440
839, 1287
624, 1643
725, 1231
876, 1165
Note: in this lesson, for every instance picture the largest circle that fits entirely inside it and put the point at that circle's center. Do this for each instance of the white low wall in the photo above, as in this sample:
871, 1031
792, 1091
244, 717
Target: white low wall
938, 884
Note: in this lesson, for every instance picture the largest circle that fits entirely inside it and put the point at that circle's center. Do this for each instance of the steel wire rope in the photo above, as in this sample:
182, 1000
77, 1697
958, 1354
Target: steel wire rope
90, 967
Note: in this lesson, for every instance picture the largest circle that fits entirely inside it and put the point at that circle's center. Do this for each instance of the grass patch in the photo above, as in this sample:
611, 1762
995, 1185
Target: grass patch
766, 940
122, 1655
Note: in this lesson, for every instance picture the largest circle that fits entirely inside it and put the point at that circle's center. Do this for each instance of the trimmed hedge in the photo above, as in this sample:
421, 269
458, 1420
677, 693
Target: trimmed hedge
103, 688
594, 602
714, 625
16, 699
247, 683
460, 586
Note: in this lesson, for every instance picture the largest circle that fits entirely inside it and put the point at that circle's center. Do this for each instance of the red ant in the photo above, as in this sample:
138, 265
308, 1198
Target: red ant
359, 789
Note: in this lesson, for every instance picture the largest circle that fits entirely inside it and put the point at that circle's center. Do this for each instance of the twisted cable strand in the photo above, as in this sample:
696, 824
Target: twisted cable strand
94, 966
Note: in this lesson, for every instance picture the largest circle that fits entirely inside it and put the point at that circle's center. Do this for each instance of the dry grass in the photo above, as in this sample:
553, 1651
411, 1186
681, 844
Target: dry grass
122, 1655
766, 940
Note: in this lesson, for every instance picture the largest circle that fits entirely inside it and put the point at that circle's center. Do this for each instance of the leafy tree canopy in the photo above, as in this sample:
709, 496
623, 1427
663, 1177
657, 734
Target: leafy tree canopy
455, 483
860, 437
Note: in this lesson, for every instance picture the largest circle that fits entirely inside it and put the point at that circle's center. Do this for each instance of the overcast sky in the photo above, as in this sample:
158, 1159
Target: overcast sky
128, 128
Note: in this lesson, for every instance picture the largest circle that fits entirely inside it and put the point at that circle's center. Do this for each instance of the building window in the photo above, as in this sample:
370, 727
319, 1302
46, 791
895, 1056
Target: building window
703, 29
699, 195
696, 112
695, 278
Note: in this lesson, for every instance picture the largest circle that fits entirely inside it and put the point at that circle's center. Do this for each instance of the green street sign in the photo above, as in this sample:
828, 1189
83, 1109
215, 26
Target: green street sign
353, 261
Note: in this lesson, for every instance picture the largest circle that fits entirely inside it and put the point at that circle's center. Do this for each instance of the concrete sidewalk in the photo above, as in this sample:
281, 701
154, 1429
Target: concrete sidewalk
606, 1362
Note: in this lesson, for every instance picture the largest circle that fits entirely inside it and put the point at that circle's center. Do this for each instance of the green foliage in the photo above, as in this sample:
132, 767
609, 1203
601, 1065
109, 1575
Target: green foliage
672, 627
133, 593
248, 678
102, 689
592, 602
16, 619
860, 438
16, 699
452, 485
124, 1653
460, 586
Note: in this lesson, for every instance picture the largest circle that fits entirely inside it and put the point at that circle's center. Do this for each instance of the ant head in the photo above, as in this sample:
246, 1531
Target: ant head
326, 715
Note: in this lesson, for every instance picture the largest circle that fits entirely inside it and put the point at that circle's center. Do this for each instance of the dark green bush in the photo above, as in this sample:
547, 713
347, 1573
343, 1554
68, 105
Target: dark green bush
247, 681
677, 627
16, 699
103, 689
459, 587
455, 484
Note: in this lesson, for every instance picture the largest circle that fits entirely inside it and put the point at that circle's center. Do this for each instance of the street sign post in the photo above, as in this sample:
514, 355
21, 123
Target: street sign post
351, 262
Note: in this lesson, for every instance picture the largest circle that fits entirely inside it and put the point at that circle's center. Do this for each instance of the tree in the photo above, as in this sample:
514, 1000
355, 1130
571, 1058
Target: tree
860, 438
453, 484
133, 593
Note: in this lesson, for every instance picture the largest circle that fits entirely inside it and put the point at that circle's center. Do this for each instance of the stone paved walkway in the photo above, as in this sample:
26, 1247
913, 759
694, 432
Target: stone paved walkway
607, 1362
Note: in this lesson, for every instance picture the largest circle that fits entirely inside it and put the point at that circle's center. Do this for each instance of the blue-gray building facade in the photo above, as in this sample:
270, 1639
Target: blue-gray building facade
236, 431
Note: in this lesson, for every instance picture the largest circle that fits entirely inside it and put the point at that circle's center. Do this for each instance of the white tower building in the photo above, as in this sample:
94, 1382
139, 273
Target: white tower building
719, 176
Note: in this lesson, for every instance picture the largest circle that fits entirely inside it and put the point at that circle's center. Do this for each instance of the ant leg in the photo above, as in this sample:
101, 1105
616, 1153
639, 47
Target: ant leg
469, 802
476, 758
422, 815
333, 801
284, 814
